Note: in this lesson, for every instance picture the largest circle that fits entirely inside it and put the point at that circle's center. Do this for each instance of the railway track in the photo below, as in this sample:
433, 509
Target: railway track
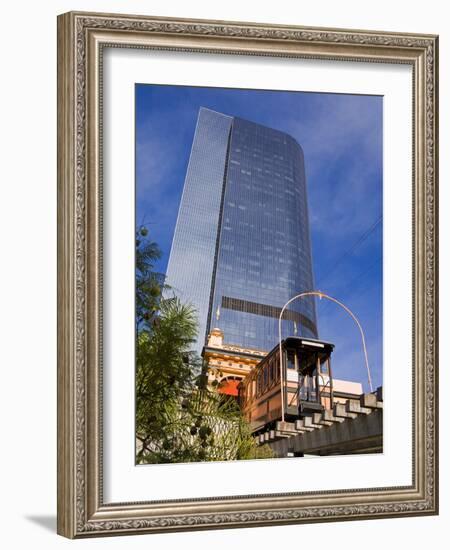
351, 426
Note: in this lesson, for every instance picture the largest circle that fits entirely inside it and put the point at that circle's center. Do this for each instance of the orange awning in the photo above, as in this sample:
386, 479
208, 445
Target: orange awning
229, 387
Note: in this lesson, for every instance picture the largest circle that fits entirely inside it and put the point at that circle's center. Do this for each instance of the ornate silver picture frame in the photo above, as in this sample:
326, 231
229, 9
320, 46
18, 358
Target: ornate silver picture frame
82, 41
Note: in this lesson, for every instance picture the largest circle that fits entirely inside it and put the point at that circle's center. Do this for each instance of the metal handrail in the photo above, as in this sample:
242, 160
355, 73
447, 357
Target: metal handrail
352, 315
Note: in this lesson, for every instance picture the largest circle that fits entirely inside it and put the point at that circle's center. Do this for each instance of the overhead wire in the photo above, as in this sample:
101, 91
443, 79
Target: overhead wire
347, 253
350, 250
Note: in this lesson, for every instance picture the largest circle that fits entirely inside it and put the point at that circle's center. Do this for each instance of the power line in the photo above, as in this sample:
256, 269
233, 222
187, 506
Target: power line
349, 251
353, 281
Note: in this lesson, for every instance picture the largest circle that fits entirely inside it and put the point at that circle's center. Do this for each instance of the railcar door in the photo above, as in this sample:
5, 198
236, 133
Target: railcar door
291, 385
309, 386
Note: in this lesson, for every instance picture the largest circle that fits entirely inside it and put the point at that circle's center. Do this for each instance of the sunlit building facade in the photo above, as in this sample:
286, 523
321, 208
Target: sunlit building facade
241, 247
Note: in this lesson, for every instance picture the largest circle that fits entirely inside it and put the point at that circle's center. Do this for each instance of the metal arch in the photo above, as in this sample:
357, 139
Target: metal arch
352, 315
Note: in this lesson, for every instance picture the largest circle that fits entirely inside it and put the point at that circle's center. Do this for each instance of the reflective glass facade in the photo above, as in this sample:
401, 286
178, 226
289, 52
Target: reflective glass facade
191, 261
244, 217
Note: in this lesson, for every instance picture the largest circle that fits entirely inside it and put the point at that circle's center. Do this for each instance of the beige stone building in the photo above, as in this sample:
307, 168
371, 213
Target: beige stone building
228, 364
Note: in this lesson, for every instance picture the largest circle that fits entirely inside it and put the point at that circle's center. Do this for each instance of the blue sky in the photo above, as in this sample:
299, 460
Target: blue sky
341, 136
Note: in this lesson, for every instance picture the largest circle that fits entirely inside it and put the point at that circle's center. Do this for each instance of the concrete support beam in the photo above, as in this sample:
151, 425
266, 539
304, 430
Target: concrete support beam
300, 426
354, 407
317, 418
368, 400
328, 416
344, 417
286, 427
361, 434
282, 435
339, 410
309, 423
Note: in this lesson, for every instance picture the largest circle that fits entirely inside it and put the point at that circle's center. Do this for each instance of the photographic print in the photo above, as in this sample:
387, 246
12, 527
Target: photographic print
247, 253
258, 274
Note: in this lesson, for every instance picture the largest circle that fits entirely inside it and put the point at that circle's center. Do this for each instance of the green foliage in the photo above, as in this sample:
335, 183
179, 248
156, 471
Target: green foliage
149, 285
177, 418
208, 427
164, 376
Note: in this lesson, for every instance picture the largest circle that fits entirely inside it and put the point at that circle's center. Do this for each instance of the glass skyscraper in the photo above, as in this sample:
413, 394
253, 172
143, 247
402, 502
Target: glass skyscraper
241, 247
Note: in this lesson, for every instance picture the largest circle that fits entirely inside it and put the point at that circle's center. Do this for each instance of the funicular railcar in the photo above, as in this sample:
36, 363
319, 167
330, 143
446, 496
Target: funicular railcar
299, 385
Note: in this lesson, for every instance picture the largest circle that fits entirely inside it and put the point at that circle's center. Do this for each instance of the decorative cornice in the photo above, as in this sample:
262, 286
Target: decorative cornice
80, 276
263, 517
254, 31
431, 276
247, 351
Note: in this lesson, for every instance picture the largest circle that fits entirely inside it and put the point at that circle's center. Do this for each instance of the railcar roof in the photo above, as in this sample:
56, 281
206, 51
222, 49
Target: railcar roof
304, 340
300, 340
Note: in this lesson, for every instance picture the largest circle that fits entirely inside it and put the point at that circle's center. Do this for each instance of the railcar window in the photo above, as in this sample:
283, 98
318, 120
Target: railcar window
303, 391
258, 383
290, 359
